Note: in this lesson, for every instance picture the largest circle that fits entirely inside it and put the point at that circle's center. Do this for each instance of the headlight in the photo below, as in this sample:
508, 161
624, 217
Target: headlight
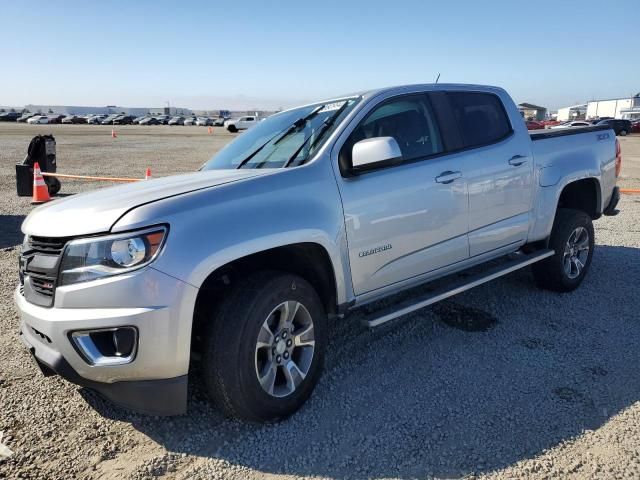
98, 257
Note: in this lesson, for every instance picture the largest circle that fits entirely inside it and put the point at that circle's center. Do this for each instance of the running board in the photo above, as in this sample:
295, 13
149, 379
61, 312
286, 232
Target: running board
394, 311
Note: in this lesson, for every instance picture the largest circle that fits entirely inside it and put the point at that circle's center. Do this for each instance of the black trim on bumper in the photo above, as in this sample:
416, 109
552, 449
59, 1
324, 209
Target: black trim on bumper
613, 203
152, 397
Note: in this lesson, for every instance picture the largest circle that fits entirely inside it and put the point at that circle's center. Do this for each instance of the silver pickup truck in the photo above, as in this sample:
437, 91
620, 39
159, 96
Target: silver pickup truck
311, 214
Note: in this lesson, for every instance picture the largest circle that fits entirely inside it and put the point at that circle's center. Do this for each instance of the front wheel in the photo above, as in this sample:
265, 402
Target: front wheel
264, 351
572, 238
623, 133
232, 128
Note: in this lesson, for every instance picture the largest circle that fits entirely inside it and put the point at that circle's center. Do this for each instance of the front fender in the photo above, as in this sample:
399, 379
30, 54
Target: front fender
212, 227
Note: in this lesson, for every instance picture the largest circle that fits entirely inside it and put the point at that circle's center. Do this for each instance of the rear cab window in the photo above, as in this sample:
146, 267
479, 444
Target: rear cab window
481, 118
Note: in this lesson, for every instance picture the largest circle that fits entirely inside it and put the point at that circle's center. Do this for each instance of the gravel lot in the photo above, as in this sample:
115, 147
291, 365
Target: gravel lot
537, 385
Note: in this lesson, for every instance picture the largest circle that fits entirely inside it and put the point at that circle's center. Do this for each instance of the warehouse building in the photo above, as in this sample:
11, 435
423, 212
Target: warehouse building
529, 111
628, 108
574, 112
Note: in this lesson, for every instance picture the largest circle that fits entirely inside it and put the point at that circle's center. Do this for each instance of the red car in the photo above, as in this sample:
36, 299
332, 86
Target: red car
635, 126
533, 125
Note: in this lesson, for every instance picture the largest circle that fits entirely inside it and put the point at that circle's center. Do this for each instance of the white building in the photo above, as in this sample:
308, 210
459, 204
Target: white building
574, 112
617, 108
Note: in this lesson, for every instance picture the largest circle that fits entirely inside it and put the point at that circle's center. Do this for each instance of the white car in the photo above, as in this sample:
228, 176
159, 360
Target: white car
241, 123
576, 123
204, 122
38, 119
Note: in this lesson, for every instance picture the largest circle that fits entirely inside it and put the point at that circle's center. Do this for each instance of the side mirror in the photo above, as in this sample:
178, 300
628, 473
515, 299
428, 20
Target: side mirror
375, 153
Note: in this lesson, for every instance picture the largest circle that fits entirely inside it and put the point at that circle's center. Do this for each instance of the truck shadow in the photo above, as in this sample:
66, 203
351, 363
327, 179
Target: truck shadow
10, 234
422, 397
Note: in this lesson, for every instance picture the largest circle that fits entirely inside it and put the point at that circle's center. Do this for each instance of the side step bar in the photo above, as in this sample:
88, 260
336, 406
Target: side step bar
394, 311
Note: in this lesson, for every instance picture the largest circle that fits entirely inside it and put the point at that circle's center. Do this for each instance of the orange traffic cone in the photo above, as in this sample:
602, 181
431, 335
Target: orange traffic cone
147, 174
40, 190
210, 131
113, 133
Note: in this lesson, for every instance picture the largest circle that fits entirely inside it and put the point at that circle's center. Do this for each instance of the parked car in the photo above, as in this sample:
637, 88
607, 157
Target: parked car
123, 120
38, 119
204, 122
109, 119
190, 121
635, 126
96, 119
219, 122
595, 121
241, 123
533, 125
75, 119
25, 116
176, 121
137, 120
149, 121
313, 213
55, 118
9, 116
575, 123
620, 126
163, 119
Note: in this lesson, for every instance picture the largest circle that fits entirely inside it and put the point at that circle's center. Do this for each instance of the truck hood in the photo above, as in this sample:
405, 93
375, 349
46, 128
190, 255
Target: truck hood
97, 211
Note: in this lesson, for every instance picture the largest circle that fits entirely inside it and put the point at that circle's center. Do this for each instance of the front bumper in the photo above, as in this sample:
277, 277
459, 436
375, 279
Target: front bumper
152, 397
155, 381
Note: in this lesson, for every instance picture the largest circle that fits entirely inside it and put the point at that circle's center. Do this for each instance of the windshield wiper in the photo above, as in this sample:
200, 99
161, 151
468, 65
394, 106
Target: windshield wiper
295, 125
325, 126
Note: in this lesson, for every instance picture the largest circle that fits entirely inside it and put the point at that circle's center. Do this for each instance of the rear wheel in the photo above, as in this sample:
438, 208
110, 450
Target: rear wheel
623, 133
232, 128
572, 238
264, 350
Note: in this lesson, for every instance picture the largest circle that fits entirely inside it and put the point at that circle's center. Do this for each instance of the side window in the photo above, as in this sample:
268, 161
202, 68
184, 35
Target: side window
480, 116
408, 119
249, 119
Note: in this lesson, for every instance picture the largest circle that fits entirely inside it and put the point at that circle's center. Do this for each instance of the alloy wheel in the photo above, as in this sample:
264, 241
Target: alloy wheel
284, 349
576, 252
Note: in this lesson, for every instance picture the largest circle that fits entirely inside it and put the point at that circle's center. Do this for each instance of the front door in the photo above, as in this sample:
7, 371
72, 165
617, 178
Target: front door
411, 218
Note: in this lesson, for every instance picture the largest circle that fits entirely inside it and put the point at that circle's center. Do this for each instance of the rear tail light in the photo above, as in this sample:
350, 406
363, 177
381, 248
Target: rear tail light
618, 158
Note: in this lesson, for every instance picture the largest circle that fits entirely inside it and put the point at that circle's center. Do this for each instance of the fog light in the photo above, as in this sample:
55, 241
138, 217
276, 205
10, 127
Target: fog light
106, 346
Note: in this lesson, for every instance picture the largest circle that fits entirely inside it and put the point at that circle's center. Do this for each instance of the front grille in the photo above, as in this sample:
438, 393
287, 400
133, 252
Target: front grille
48, 245
43, 285
39, 265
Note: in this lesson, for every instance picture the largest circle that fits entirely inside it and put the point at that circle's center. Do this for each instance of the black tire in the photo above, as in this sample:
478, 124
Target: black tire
230, 370
53, 185
232, 128
551, 274
623, 133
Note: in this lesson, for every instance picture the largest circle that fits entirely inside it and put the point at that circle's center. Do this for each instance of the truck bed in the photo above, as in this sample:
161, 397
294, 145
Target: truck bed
561, 132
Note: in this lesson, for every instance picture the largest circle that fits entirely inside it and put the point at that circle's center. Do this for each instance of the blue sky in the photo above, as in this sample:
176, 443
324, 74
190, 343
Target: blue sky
261, 54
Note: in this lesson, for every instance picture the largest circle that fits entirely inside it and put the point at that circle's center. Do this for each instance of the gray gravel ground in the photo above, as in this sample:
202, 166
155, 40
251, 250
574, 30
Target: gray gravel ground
545, 386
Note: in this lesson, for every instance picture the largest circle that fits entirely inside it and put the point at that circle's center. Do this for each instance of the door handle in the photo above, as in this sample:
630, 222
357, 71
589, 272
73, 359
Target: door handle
518, 160
448, 176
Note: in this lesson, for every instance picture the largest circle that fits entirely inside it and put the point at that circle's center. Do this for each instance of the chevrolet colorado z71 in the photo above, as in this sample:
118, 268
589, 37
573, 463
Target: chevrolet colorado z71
312, 213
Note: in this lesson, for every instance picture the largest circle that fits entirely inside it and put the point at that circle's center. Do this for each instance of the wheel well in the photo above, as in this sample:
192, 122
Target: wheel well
308, 260
582, 195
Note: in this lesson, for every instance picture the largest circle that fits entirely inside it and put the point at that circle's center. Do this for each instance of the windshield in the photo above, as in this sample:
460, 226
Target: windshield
284, 139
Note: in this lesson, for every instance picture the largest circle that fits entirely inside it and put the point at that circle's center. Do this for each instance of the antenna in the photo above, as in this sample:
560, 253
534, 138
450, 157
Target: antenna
438, 77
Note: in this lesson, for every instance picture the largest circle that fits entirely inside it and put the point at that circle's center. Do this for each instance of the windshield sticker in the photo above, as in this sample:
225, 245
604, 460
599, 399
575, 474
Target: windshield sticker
330, 107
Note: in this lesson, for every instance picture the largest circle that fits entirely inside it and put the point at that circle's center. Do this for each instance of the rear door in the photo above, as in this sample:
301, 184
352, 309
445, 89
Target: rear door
407, 219
498, 171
